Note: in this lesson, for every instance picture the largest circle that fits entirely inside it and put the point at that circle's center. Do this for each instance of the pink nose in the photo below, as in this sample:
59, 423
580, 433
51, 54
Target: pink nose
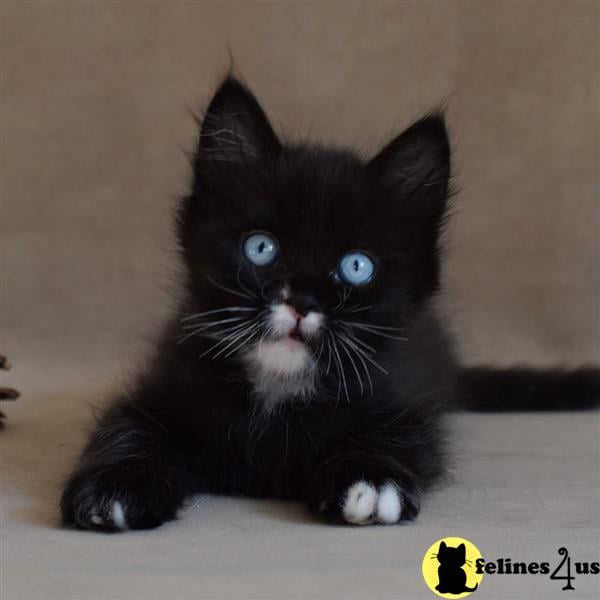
294, 312
301, 304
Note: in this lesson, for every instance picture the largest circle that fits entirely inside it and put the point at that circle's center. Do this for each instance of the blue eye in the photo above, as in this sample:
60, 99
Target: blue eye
355, 268
260, 249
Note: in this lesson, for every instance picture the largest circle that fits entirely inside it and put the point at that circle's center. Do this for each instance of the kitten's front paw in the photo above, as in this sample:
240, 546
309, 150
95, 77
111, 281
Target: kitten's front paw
364, 502
106, 500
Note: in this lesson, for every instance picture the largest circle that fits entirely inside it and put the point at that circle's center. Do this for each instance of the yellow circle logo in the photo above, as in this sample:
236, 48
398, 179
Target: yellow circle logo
449, 567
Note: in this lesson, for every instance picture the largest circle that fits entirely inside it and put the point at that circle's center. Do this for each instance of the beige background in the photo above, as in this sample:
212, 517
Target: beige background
94, 121
95, 118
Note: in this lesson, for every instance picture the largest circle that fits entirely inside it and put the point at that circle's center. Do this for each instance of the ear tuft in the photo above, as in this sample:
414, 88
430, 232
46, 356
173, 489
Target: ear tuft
235, 128
417, 162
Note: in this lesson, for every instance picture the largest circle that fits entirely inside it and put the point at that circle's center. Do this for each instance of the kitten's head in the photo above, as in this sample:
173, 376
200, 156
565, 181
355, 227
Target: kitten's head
450, 556
304, 259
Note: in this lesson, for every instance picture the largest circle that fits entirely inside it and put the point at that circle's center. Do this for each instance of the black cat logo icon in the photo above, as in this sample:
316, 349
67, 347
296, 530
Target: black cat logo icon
449, 567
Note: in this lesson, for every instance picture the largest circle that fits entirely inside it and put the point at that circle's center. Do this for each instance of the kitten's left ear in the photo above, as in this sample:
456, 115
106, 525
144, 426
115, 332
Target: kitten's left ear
235, 128
414, 168
412, 173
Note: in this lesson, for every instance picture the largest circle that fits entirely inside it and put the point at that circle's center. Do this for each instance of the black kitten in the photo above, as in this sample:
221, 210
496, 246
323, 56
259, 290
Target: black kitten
304, 362
453, 579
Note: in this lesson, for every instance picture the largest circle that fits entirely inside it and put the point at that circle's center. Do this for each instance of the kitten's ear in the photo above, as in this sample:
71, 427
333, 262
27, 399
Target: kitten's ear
414, 168
442, 546
235, 129
412, 173
462, 550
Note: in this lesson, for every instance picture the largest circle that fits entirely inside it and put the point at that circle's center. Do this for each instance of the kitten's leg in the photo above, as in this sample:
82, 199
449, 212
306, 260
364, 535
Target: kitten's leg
376, 477
129, 477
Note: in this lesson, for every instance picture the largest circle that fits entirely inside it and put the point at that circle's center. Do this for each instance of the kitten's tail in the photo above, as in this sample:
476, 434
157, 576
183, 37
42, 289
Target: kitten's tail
523, 389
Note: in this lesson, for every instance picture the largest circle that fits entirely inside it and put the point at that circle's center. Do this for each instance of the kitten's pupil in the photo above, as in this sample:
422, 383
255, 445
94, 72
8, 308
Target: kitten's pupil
260, 249
355, 268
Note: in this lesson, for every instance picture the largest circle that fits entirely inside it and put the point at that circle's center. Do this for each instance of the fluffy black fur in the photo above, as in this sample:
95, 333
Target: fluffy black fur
194, 422
520, 389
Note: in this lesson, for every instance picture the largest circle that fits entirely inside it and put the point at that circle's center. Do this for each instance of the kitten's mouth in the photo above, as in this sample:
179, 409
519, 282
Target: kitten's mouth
294, 340
296, 334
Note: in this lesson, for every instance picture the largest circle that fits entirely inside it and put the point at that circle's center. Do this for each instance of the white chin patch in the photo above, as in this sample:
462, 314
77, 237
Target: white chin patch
280, 370
282, 367
286, 357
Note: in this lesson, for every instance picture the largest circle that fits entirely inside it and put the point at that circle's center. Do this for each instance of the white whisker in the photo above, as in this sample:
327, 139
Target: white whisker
373, 326
345, 349
218, 310
364, 364
225, 330
328, 357
348, 332
379, 333
238, 330
252, 328
229, 290
242, 286
358, 308
321, 348
203, 326
341, 366
366, 356
244, 341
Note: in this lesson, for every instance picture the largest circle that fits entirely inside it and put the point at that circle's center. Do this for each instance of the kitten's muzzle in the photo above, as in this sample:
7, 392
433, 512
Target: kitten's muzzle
296, 334
286, 321
302, 304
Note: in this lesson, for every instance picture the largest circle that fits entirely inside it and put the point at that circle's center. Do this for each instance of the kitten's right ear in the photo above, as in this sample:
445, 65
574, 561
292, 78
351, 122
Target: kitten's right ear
442, 546
234, 129
414, 168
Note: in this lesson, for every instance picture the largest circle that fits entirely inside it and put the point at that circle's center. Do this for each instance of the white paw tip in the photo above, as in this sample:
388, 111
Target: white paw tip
97, 520
365, 504
117, 514
389, 504
359, 505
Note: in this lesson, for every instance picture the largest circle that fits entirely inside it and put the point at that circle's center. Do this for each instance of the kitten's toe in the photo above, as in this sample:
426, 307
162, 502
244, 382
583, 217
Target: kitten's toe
363, 503
359, 507
85, 506
106, 515
105, 502
390, 503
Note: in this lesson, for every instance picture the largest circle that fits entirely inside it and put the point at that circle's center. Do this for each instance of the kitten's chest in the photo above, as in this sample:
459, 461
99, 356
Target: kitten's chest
270, 389
271, 454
